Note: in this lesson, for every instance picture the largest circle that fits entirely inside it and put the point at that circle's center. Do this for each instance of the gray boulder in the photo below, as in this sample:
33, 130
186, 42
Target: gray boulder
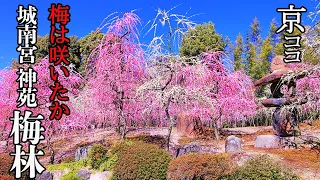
267, 141
45, 175
85, 174
233, 144
188, 148
82, 152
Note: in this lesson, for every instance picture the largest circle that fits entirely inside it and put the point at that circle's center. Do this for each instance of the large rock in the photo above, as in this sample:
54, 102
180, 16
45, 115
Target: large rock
45, 175
188, 125
82, 152
101, 175
193, 147
58, 174
233, 144
267, 141
85, 174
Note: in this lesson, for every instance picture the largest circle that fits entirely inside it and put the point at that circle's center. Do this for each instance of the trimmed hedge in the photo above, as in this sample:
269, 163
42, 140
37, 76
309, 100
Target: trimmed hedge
97, 155
5, 162
72, 175
200, 167
142, 161
263, 167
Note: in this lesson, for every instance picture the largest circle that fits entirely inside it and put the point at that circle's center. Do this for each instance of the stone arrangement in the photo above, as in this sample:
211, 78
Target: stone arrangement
285, 124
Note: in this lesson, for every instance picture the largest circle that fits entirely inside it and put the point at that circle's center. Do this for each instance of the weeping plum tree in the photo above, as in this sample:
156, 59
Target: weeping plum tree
116, 69
9, 95
203, 88
306, 90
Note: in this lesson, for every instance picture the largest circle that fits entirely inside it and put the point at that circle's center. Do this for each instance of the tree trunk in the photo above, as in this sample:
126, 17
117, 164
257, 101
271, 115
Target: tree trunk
170, 124
51, 161
215, 128
123, 128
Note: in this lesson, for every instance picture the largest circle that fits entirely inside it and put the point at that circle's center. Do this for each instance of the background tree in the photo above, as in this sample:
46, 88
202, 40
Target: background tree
87, 44
9, 95
116, 71
238, 53
201, 38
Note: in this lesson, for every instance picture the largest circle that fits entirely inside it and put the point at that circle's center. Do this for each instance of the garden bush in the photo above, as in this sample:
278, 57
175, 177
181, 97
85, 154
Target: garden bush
6, 177
109, 164
119, 147
142, 161
200, 167
73, 166
6, 162
263, 167
72, 175
97, 155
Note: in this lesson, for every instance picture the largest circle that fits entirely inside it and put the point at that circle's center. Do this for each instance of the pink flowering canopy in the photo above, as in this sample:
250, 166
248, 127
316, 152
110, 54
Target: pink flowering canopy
117, 68
9, 95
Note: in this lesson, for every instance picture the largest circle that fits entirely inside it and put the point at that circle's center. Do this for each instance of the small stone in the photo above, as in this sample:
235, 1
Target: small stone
58, 174
267, 141
45, 175
85, 174
233, 144
101, 175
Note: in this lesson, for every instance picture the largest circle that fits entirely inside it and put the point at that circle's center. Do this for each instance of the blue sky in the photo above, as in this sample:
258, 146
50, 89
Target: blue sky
230, 17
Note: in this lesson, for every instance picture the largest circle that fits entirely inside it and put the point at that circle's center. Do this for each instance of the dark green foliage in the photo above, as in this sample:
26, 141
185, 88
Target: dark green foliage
142, 161
262, 167
87, 44
200, 167
97, 155
201, 39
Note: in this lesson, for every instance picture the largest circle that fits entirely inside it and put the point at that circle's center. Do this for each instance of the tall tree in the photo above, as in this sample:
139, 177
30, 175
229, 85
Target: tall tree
265, 57
274, 37
117, 69
87, 45
252, 49
238, 53
255, 34
201, 38
229, 47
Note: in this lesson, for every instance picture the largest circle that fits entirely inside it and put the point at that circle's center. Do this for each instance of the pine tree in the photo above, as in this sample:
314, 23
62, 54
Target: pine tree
255, 34
229, 47
265, 57
252, 49
201, 38
238, 52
